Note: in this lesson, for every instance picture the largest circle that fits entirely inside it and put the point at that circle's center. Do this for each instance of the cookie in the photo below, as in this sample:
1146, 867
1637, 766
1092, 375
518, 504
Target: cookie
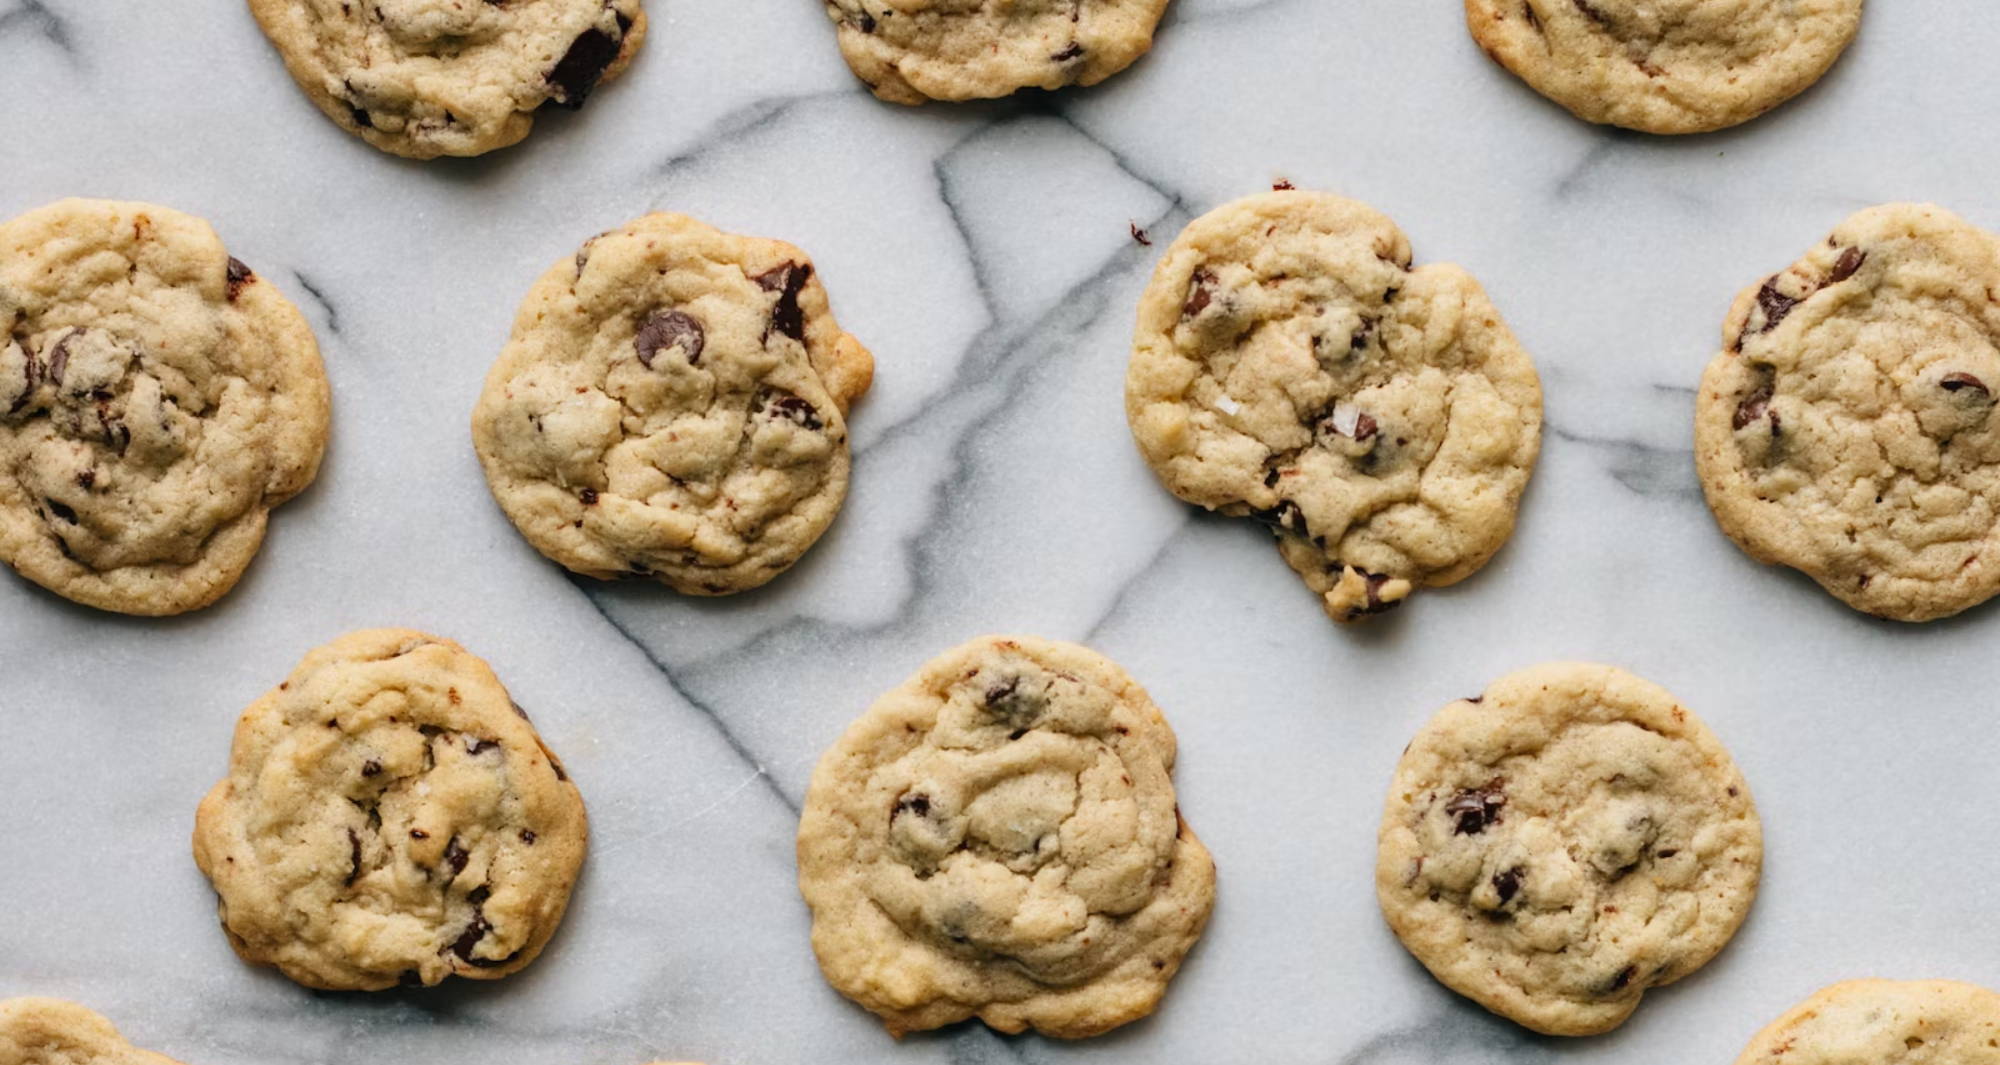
390, 817
1290, 365
998, 838
49, 1031
1885, 1022
1847, 429
424, 78
1559, 845
673, 404
157, 400
909, 51
1665, 66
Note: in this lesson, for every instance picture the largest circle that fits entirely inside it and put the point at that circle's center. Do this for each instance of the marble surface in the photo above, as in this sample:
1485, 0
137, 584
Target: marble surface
984, 253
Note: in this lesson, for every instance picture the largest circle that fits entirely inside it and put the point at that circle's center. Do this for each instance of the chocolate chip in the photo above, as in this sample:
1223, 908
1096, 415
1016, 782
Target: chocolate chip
1281, 185
1373, 583
1776, 305
1953, 382
528, 836
59, 358
787, 281
418, 833
1271, 477
86, 478
476, 745
353, 858
1361, 335
792, 408
1140, 235
237, 276
865, 22
576, 73
470, 938
1845, 266
361, 119
919, 805
61, 511
1074, 50
1475, 808
1508, 884
1201, 292
588, 496
1003, 691
668, 329
1623, 978
1753, 408
371, 768
455, 855
1286, 517
31, 372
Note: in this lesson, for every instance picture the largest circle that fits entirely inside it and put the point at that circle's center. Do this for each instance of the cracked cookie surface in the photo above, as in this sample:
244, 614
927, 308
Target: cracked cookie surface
1847, 429
157, 400
424, 78
1665, 66
390, 817
998, 838
909, 51
1559, 845
1290, 365
673, 404
49, 1031
1885, 1022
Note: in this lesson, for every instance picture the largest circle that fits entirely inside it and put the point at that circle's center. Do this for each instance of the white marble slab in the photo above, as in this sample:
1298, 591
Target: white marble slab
984, 253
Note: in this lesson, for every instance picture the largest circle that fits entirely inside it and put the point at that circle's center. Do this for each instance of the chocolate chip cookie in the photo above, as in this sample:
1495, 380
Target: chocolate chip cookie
424, 78
1847, 429
1666, 66
909, 51
1559, 845
157, 399
998, 838
390, 817
1885, 1022
49, 1031
673, 404
1290, 365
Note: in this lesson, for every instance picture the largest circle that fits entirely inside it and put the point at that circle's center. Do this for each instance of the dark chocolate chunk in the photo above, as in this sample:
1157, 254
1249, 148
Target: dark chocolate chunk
1776, 305
353, 858
1954, 382
237, 276
1285, 517
61, 511
1508, 884
455, 856
588, 496
1201, 292
476, 745
667, 329
1475, 808
59, 358
919, 805
1754, 407
792, 408
787, 281
1845, 266
576, 73
370, 768
1074, 51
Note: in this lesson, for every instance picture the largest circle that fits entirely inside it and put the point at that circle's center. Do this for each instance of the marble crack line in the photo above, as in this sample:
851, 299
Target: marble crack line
1645, 469
716, 720
38, 17
1130, 585
738, 124
318, 296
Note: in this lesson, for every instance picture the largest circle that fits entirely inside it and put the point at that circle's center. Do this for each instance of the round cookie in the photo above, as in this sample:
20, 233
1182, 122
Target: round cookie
998, 838
1290, 365
157, 399
390, 817
1847, 429
424, 78
1665, 66
50, 1031
1559, 845
1885, 1022
673, 404
909, 51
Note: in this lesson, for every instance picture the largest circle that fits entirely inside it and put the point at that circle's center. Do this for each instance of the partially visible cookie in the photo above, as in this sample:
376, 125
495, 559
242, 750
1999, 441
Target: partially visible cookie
1847, 428
998, 838
424, 78
1559, 845
909, 51
1290, 365
673, 404
1666, 66
390, 817
1885, 1022
157, 400
50, 1031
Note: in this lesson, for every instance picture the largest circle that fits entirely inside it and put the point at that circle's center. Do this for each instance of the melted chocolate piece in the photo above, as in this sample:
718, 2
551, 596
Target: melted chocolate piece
578, 71
666, 329
1845, 266
787, 281
1776, 305
1475, 808
1754, 407
238, 275
1201, 291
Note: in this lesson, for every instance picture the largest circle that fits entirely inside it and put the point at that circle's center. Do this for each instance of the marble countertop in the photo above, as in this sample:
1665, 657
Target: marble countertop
984, 253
